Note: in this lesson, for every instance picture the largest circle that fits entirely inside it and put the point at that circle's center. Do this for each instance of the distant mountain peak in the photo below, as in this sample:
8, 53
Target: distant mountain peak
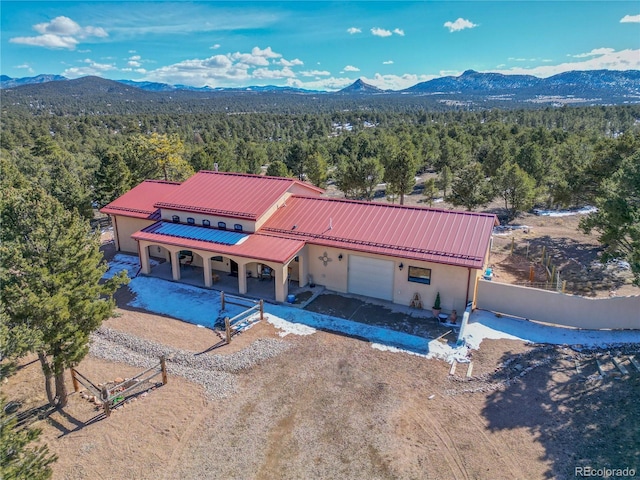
360, 86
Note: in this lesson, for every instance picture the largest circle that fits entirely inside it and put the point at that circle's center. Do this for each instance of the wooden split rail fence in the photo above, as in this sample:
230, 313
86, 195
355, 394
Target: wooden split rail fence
233, 325
111, 396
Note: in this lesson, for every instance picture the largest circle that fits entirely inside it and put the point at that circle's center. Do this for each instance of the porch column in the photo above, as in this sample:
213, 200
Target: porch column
208, 282
144, 258
175, 265
303, 268
242, 277
282, 285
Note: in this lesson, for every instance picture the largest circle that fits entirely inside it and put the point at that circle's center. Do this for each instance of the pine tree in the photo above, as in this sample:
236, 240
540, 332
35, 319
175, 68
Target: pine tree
470, 188
516, 188
112, 179
50, 280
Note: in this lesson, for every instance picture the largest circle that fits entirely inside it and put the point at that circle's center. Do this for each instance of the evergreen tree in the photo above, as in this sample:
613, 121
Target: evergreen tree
278, 169
617, 220
400, 172
470, 188
19, 461
516, 188
112, 179
430, 190
444, 180
317, 169
51, 279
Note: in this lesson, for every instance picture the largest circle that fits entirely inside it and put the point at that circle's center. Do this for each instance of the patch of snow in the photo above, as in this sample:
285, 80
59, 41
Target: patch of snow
289, 327
438, 200
130, 263
507, 229
483, 324
565, 213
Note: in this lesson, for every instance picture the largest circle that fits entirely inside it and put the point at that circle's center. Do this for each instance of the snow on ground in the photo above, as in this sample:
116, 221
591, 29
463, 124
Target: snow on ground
202, 307
125, 262
565, 213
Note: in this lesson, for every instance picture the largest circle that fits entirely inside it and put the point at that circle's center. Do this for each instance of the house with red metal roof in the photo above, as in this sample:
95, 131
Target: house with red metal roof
247, 225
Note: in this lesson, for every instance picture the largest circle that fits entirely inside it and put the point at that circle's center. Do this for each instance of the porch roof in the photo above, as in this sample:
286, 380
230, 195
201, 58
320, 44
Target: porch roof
256, 246
138, 202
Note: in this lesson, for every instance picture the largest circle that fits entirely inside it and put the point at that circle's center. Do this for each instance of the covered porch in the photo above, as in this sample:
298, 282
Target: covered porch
215, 267
224, 281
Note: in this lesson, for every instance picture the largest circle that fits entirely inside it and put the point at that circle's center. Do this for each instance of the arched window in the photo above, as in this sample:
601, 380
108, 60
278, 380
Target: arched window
206, 223
175, 219
191, 221
237, 227
222, 225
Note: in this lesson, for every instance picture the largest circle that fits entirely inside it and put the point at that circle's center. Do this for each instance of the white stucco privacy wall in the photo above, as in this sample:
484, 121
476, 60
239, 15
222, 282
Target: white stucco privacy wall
558, 308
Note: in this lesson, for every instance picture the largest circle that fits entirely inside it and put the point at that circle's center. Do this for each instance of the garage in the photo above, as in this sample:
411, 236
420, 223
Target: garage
371, 277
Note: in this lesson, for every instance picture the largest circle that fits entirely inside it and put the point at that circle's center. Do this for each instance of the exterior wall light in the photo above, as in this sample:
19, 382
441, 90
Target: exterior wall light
340, 257
401, 266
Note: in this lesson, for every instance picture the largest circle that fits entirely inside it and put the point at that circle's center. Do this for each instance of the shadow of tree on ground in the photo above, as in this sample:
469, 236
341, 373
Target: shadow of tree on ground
580, 418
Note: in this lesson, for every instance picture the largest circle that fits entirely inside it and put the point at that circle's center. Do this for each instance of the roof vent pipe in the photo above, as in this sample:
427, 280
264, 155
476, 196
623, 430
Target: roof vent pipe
330, 223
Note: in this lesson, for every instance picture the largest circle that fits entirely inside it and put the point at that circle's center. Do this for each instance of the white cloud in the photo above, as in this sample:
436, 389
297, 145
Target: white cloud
26, 67
630, 19
290, 63
398, 31
47, 41
459, 24
594, 52
61, 32
606, 59
315, 73
229, 69
354, 30
388, 62
92, 68
265, 73
351, 68
381, 32
215, 47
134, 61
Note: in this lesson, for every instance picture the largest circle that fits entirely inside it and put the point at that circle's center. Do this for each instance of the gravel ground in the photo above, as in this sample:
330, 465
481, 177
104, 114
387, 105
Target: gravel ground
214, 372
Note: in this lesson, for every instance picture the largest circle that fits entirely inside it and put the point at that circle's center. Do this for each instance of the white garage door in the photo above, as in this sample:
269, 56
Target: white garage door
371, 277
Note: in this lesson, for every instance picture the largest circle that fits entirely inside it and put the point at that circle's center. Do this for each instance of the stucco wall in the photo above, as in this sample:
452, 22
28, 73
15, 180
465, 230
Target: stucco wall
127, 226
558, 308
450, 281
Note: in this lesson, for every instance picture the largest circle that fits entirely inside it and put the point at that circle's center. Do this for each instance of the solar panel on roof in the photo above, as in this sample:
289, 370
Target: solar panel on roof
224, 237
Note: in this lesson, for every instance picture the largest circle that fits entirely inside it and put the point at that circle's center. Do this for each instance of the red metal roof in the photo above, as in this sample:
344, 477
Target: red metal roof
230, 194
435, 235
257, 246
139, 201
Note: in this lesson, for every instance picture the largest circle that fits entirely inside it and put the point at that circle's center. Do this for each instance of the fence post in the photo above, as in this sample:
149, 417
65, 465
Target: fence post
106, 405
553, 275
544, 249
532, 273
261, 309
222, 300
163, 368
564, 286
76, 385
513, 241
227, 327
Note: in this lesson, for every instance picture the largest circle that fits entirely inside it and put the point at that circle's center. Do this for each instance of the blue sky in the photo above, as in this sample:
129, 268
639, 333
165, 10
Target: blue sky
316, 45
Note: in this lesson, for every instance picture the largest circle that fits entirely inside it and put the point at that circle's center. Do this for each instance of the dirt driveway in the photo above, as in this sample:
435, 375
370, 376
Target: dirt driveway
334, 407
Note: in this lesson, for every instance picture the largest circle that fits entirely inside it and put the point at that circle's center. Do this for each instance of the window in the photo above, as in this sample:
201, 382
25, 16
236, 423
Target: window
191, 221
222, 225
206, 223
175, 219
237, 227
420, 275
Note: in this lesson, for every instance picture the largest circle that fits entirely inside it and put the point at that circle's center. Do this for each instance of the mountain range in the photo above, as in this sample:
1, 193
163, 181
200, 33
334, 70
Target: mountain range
469, 90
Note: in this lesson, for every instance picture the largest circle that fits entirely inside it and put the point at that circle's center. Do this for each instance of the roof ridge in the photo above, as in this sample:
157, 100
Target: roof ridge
167, 182
392, 205
250, 175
